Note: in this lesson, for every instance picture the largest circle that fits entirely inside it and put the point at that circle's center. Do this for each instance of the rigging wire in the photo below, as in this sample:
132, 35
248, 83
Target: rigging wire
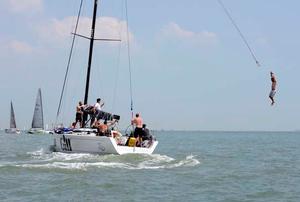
129, 59
69, 61
239, 31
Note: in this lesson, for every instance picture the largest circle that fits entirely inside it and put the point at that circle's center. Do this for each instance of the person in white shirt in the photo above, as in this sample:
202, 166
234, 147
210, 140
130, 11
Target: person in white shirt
98, 106
97, 109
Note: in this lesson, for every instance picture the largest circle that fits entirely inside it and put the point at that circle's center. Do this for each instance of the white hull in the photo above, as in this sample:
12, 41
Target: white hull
90, 143
12, 131
37, 131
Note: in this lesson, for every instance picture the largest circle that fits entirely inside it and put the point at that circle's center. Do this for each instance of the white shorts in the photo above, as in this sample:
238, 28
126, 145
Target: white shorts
272, 93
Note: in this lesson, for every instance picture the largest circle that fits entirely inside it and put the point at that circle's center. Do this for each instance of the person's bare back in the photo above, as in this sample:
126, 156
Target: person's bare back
274, 82
137, 121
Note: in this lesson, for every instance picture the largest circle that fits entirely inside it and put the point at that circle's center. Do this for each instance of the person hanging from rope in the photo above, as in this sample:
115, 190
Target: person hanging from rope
273, 87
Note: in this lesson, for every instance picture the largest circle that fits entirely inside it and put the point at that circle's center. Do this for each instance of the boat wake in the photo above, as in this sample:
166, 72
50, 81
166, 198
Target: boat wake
42, 159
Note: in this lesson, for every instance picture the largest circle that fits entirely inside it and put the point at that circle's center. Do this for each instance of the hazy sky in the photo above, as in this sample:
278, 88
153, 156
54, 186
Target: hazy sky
190, 68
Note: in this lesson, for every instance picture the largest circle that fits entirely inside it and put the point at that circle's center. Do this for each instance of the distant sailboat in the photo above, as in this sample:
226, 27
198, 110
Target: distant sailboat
13, 126
37, 125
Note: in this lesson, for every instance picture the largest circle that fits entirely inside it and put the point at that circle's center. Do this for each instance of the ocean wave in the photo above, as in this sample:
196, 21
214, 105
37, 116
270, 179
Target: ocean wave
83, 162
161, 162
3, 165
189, 161
76, 165
58, 156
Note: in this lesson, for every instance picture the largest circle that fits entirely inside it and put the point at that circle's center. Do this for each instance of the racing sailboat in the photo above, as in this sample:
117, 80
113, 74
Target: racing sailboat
88, 140
13, 126
37, 125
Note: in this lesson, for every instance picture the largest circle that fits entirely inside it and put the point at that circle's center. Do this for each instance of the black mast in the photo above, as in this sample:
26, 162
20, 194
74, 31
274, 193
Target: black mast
86, 95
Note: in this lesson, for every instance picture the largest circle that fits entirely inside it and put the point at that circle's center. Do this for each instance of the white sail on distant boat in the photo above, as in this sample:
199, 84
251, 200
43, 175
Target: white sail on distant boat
13, 126
37, 125
87, 139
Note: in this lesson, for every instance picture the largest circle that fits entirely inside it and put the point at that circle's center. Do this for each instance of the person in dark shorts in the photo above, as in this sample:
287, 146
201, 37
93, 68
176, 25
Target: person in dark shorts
79, 113
138, 123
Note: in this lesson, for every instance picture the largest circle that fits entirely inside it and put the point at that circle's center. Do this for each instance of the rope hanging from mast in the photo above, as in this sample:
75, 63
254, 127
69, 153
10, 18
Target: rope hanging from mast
69, 60
129, 60
239, 31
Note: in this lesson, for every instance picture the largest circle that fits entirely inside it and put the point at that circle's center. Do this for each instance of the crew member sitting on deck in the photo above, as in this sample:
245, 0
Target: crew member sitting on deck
138, 132
146, 133
102, 128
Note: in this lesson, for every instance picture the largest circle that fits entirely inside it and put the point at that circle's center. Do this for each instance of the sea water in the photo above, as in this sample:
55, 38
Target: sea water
186, 166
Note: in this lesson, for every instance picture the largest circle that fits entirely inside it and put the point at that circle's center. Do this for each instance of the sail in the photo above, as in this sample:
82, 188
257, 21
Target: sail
38, 120
12, 117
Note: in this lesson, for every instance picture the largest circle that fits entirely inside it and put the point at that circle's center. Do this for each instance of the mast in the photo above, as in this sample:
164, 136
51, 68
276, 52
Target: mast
86, 95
